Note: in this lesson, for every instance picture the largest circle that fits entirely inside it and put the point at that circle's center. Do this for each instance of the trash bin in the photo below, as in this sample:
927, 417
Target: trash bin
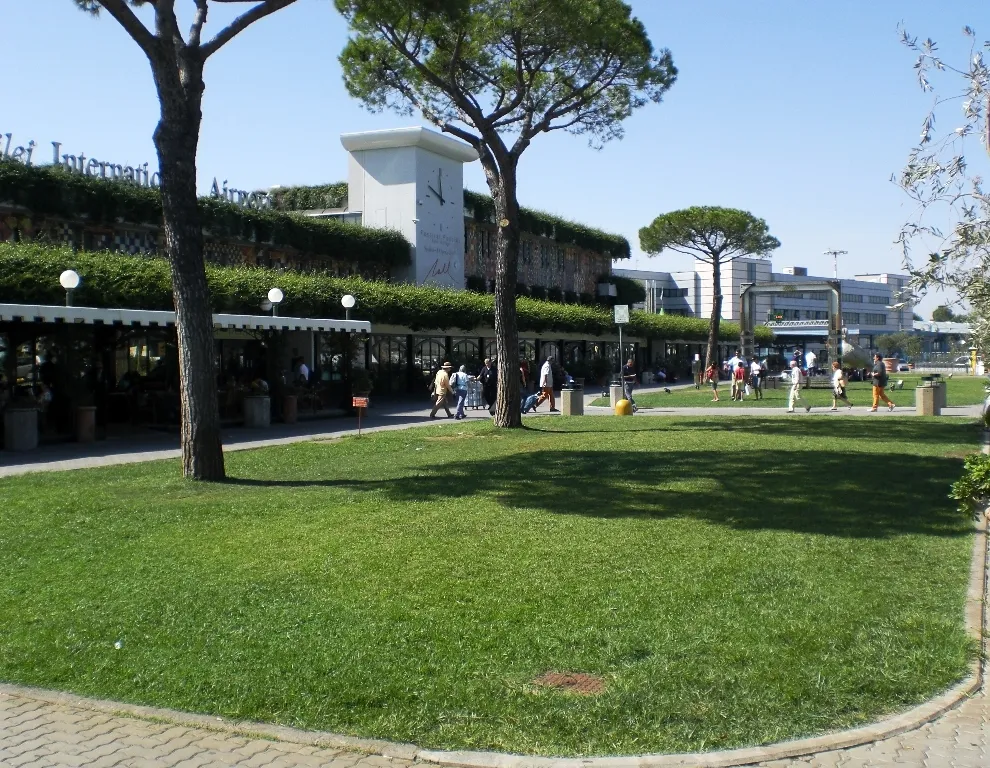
20, 428
615, 394
257, 411
572, 401
928, 397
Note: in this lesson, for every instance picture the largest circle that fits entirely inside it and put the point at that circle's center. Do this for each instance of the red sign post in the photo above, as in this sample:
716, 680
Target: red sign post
360, 403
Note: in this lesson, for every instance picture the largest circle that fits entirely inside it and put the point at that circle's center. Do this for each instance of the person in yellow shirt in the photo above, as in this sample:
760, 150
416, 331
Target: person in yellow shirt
441, 388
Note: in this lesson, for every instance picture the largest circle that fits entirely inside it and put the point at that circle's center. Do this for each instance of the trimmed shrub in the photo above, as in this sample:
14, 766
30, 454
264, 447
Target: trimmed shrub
29, 275
52, 191
482, 208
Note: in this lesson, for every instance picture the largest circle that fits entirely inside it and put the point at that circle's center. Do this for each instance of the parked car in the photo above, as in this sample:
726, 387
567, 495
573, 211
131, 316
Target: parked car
902, 365
962, 361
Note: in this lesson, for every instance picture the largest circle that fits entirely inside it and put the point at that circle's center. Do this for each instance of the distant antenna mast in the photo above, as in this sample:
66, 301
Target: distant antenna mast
835, 261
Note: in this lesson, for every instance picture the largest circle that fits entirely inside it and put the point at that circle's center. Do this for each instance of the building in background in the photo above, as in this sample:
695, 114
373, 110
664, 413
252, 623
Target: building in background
872, 304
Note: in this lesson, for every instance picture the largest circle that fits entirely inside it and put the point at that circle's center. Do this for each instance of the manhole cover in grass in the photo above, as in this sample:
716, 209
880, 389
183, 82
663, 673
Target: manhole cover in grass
571, 682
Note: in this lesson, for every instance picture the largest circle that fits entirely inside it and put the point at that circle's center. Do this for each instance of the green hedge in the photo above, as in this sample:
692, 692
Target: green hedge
29, 275
482, 207
51, 191
310, 198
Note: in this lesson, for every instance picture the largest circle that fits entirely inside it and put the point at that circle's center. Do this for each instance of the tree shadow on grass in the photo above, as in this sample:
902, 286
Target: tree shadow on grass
834, 493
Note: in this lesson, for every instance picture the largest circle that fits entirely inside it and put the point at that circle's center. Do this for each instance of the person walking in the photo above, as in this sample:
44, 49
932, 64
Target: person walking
628, 382
879, 383
755, 382
696, 371
546, 386
711, 376
738, 381
441, 389
797, 378
839, 384
488, 376
459, 385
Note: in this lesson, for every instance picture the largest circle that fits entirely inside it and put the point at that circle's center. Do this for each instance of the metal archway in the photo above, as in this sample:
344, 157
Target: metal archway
832, 288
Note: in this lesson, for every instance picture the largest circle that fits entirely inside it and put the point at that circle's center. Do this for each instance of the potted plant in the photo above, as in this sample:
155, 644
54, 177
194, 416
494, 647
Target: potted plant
20, 421
290, 403
361, 385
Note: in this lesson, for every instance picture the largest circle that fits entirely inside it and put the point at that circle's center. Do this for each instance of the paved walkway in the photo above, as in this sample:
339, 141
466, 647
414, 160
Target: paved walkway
40, 729
149, 445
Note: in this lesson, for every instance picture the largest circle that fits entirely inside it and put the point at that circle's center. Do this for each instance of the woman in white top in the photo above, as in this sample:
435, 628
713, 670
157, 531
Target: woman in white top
838, 387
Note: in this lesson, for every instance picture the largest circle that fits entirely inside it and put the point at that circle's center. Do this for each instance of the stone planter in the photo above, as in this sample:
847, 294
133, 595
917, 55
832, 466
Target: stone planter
257, 411
86, 423
572, 402
290, 409
20, 428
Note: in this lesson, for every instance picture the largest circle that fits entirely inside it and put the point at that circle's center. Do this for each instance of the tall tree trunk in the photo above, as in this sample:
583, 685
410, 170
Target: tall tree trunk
503, 187
711, 355
176, 140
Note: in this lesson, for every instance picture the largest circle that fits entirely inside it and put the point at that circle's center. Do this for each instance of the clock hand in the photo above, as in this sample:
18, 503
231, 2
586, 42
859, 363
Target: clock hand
434, 192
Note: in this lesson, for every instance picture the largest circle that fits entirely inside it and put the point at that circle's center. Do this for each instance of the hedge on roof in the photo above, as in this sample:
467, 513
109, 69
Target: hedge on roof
52, 191
310, 198
29, 275
482, 207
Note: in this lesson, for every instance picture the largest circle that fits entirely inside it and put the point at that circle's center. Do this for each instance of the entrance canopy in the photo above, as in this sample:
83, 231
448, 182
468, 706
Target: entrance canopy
44, 313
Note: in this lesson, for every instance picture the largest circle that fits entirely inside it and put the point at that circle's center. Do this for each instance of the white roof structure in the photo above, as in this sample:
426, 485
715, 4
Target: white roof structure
44, 313
417, 136
952, 329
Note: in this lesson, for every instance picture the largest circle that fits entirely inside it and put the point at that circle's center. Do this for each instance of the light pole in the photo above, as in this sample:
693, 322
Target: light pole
70, 281
835, 261
275, 297
347, 302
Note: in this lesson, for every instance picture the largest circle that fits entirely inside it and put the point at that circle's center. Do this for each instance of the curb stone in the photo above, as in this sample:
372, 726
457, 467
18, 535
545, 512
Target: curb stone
975, 617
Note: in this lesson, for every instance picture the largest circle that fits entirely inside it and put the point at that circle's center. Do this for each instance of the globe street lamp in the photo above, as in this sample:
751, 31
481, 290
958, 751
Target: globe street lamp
275, 297
70, 281
347, 302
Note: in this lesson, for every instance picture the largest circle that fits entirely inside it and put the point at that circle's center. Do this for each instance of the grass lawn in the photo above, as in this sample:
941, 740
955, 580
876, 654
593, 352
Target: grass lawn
732, 582
960, 390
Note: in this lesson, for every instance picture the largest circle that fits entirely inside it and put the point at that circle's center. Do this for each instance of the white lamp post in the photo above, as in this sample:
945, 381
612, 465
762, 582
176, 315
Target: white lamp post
275, 297
347, 302
70, 281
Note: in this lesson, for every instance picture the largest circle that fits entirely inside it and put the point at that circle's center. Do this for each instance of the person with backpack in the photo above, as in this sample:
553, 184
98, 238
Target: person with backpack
879, 383
839, 385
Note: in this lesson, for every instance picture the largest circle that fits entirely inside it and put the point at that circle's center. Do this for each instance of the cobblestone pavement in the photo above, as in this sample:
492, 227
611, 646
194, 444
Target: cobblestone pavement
958, 739
35, 733
40, 734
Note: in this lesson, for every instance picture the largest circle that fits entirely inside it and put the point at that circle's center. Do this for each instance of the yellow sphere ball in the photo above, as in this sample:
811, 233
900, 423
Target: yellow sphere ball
623, 408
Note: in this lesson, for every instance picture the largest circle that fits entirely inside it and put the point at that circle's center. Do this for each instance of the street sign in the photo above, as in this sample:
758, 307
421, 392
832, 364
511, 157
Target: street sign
621, 314
360, 403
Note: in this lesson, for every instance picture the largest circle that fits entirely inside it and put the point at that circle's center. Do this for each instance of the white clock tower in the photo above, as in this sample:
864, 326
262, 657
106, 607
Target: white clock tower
412, 180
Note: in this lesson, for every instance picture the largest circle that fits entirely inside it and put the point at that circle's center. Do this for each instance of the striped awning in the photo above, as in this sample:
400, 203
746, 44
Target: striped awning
44, 313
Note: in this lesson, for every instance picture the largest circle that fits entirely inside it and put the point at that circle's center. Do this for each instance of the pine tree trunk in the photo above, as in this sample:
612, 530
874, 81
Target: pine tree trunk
712, 352
176, 140
506, 275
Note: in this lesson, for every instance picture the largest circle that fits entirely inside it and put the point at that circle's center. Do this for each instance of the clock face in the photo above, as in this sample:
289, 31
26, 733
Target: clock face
437, 188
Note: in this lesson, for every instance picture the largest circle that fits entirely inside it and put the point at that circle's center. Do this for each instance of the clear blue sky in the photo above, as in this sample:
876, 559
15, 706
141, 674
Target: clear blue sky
797, 111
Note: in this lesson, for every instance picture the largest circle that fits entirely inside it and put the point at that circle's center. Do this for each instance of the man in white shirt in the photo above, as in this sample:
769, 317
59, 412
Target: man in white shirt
795, 394
302, 372
546, 386
754, 378
810, 361
734, 362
